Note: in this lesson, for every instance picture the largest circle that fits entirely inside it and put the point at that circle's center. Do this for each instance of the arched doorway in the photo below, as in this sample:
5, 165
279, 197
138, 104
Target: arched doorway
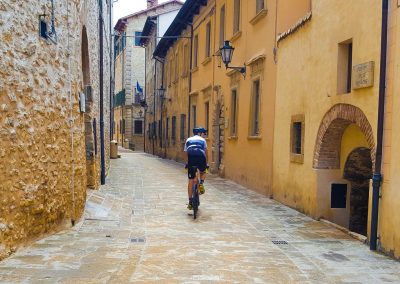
343, 159
358, 170
89, 121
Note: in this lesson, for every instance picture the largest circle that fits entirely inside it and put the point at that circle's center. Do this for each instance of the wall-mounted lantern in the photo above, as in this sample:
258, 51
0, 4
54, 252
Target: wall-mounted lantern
226, 54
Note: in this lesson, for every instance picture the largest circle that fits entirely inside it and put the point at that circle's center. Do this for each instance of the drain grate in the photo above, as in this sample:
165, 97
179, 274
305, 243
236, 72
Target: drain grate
137, 240
279, 242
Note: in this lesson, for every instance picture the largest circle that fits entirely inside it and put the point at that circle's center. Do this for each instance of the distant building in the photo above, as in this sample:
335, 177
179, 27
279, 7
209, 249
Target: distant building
50, 121
130, 70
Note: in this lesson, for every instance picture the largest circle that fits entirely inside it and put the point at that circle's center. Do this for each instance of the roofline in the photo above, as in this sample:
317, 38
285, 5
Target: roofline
123, 20
147, 29
183, 19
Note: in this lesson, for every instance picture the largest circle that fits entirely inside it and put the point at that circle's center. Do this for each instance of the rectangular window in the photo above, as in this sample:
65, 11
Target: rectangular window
222, 26
234, 114
138, 127
255, 121
297, 139
176, 71
236, 16
207, 115
167, 130
259, 6
137, 38
194, 116
183, 126
160, 132
196, 51
185, 60
208, 40
338, 195
173, 133
296, 146
149, 132
344, 67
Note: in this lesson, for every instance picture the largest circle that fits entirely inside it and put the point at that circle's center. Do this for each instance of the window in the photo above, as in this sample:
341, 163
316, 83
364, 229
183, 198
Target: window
149, 131
208, 40
234, 114
138, 127
338, 195
185, 60
176, 71
137, 38
167, 130
194, 116
296, 145
297, 139
160, 132
183, 126
173, 133
236, 16
345, 61
222, 26
259, 6
255, 107
196, 51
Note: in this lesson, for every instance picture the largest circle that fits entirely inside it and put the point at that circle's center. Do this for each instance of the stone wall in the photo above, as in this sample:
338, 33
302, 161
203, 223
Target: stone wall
42, 133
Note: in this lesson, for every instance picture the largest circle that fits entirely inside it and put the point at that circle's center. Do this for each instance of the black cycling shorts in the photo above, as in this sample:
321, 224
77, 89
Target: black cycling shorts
194, 163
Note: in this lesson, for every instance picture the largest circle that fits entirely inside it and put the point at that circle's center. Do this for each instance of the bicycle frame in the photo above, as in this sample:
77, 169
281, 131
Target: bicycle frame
195, 195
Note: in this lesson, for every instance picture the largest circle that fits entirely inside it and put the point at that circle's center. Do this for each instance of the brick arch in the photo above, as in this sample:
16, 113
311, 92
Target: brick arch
329, 137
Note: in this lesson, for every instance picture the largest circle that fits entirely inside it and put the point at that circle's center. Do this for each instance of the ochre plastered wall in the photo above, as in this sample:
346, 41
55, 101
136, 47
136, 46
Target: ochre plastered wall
306, 84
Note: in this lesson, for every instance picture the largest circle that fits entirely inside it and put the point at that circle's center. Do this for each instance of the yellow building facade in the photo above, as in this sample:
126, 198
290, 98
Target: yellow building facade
237, 109
301, 124
328, 80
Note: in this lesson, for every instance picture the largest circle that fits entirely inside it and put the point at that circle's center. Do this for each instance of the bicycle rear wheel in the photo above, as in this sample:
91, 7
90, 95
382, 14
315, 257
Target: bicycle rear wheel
195, 203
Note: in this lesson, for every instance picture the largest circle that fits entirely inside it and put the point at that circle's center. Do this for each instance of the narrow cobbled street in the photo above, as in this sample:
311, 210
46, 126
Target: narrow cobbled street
136, 228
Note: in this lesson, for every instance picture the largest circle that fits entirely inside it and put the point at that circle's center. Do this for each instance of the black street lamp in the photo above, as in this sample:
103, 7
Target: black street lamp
226, 53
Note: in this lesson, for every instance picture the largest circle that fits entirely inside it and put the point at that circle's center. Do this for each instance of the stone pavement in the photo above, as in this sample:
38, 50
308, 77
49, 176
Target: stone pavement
136, 229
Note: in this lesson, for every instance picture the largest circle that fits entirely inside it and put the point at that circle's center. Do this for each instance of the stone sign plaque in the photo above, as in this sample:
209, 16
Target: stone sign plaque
363, 75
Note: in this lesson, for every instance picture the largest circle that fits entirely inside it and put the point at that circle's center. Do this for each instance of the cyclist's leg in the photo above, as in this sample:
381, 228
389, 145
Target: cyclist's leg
202, 168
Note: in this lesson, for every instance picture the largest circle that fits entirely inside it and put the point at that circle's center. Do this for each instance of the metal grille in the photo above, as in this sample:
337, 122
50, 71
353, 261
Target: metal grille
279, 242
137, 240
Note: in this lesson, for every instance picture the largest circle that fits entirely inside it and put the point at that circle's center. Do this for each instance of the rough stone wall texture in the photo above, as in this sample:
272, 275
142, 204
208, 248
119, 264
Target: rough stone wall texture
42, 138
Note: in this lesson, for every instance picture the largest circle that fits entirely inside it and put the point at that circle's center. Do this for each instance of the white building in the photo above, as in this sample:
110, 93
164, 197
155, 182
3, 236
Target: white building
130, 70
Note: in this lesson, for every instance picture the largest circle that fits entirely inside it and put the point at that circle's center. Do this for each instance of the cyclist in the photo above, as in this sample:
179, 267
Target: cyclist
196, 149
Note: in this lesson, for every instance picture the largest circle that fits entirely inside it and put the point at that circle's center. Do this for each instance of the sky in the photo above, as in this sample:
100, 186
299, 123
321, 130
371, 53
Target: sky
123, 8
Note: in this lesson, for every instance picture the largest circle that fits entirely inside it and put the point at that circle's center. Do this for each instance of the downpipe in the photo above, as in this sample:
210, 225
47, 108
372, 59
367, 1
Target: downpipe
102, 160
377, 177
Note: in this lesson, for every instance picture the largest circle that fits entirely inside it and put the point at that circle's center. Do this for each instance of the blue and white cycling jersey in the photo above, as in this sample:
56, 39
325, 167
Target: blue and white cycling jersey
195, 146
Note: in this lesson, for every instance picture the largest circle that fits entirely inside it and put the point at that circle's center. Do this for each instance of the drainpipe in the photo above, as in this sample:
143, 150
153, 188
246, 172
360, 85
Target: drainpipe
145, 100
190, 75
111, 75
377, 177
154, 105
102, 161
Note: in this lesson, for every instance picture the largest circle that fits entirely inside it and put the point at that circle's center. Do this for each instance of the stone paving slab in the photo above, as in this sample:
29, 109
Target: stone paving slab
136, 229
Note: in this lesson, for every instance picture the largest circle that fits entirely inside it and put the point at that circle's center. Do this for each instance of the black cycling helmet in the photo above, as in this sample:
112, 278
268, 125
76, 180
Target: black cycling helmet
199, 130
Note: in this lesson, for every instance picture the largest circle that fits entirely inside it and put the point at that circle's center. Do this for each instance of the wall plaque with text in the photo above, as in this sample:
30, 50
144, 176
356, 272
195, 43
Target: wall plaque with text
363, 75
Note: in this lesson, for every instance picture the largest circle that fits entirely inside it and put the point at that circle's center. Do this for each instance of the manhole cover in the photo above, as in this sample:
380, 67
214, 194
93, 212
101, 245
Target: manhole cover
279, 242
137, 240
